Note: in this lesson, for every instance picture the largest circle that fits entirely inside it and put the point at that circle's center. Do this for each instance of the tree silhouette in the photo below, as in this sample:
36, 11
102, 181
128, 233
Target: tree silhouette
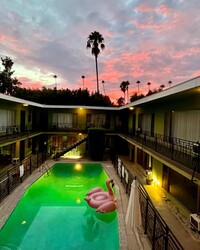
124, 87
95, 42
63, 97
8, 84
120, 101
136, 97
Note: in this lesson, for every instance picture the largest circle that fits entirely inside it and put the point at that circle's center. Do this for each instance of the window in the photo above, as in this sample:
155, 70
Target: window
7, 119
145, 122
64, 120
185, 125
96, 120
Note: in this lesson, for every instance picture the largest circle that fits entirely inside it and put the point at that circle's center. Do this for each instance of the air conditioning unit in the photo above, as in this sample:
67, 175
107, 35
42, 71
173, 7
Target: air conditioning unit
15, 161
195, 221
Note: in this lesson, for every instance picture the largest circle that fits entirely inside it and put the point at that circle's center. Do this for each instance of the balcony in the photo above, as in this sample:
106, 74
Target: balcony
178, 150
75, 127
9, 133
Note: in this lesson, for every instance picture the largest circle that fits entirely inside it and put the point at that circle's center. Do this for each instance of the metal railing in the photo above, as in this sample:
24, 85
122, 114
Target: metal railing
75, 126
15, 175
179, 150
159, 234
13, 132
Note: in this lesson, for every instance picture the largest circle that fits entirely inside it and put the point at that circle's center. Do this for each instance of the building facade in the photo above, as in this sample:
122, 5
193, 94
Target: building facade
159, 133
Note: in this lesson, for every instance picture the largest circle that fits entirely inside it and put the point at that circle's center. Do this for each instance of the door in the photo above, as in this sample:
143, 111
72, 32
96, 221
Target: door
22, 150
22, 121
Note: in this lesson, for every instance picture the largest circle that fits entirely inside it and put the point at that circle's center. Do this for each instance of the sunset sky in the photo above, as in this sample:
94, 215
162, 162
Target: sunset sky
146, 40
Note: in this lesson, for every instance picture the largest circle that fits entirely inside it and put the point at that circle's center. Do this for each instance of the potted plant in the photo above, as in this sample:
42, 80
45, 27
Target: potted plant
149, 178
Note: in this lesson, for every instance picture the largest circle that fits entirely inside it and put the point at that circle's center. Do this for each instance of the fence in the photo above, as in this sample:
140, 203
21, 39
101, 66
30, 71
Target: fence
15, 175
159, 234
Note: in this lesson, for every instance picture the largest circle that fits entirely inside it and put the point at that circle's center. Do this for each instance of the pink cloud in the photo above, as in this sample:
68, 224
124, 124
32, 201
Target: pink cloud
29, 83
164, 10
171, 19
144, 8
2, 37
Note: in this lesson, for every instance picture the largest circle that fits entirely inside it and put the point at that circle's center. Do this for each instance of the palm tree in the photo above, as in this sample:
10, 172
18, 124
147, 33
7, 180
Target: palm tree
95, 40
55, 77
170, 83
138, 83
127, 84
83, 77
104, 87
124, 87
149, 84
162, 86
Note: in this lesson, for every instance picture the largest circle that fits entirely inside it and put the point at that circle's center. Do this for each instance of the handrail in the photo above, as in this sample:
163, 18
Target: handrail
46, 167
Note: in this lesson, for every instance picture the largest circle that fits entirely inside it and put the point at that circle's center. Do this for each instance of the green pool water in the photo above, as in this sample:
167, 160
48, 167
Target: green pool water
53, 214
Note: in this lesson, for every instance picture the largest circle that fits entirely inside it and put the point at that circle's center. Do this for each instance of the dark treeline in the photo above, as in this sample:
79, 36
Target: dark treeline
63, 97
11, 86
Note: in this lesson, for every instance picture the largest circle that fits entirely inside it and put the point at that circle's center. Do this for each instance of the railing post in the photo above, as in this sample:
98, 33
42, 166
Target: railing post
37, 160
144, 139
154, 232
8, 183
121, 171
146, 215
172, 147
30, 165
156, 142
166, 237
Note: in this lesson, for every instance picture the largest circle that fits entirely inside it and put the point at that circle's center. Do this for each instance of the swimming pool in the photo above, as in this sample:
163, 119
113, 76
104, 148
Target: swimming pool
53, 214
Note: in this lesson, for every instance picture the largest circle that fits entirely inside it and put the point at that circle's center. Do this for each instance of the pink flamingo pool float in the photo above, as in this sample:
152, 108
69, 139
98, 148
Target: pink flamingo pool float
104, 202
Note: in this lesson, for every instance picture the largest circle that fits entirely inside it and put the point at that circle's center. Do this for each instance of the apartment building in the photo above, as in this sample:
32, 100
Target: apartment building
160, 133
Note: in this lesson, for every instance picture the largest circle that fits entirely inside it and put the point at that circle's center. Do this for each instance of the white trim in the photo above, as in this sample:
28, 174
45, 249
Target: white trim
187, 85
18, 100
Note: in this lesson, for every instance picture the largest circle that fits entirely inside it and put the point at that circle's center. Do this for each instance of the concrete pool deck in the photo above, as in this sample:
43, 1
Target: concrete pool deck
128, 239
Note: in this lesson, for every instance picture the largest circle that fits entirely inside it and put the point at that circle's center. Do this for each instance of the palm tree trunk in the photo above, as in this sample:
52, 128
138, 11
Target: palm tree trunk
97, 75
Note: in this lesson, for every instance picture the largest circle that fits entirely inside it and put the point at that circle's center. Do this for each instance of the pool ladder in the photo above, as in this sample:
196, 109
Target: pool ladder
46, 167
